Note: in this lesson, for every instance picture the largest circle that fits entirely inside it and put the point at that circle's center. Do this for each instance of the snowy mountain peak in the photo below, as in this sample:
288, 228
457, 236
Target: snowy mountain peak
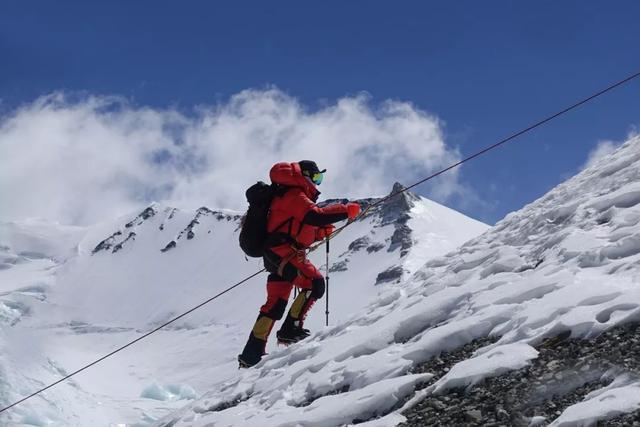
394, 212
393, 209
202, 219
403, 200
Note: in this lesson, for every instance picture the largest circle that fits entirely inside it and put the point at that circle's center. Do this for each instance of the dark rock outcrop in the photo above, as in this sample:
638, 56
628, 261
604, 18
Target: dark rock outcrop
339, 266
401, 239
107, 243
119, 246
144, 215
565, 371
396, 208
391, 274
359, 244
376, 247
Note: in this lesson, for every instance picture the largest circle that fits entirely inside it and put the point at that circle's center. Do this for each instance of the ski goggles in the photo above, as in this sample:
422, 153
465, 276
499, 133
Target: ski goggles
317, 178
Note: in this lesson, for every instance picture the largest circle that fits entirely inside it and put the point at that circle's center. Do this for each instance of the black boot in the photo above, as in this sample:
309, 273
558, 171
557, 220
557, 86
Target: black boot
257, 342
291, 331
252, 353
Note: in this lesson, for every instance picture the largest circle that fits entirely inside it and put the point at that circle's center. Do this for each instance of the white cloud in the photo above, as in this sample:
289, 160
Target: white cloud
83, 161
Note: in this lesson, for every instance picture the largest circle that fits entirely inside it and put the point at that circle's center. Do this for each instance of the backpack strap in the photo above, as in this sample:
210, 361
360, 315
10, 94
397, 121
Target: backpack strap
276, 237
279, 236
288, 222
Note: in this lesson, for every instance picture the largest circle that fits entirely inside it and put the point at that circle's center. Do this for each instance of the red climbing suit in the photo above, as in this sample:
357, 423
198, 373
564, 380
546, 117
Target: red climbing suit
295, 222
296, 212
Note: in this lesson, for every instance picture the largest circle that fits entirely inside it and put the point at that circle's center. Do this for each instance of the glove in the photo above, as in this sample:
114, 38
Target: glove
324, 232
353, 209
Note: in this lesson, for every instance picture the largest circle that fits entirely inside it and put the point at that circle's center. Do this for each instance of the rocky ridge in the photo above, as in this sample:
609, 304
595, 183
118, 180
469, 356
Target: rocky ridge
566, 371
116, 241
395, 212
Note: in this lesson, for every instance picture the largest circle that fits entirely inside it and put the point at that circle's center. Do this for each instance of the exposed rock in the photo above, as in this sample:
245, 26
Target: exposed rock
389, 275
110, 243
107, 243
144, 215
375, 247
565, 371
339, 266
206, 211
396, 211
632, 419
474, 415
188, 230
393, 211
359, 243
113, 244
171, 213
393, 208
131, 236
172, 244
401, 238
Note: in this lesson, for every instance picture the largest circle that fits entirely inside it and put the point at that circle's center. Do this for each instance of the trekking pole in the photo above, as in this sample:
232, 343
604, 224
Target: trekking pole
327, 309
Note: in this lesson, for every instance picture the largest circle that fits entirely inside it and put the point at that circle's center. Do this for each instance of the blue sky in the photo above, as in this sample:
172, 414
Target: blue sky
485, 68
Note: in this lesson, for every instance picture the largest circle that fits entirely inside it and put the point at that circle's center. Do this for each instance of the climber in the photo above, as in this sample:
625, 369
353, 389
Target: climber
294, 223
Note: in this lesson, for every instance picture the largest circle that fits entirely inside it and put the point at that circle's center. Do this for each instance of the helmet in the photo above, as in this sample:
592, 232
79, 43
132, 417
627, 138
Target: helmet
310, 170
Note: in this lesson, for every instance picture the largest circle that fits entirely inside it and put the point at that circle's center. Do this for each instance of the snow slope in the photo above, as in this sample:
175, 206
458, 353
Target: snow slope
71, 295
569, 262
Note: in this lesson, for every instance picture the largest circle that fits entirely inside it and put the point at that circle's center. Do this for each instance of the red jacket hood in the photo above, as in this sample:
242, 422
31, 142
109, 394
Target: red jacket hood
290, 175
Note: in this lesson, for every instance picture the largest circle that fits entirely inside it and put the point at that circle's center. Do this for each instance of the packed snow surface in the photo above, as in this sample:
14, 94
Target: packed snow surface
569, 262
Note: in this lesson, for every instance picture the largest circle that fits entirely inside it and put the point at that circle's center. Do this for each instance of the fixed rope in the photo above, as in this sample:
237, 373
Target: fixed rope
340, 229
491, 147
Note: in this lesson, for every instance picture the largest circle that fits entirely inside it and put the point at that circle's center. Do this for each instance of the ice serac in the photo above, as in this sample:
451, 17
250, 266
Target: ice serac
534, 322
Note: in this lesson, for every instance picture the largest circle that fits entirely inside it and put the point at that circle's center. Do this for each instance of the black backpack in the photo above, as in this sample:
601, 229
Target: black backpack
253, 234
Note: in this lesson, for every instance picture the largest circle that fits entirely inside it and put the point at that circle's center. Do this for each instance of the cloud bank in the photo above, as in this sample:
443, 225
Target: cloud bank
83, 161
